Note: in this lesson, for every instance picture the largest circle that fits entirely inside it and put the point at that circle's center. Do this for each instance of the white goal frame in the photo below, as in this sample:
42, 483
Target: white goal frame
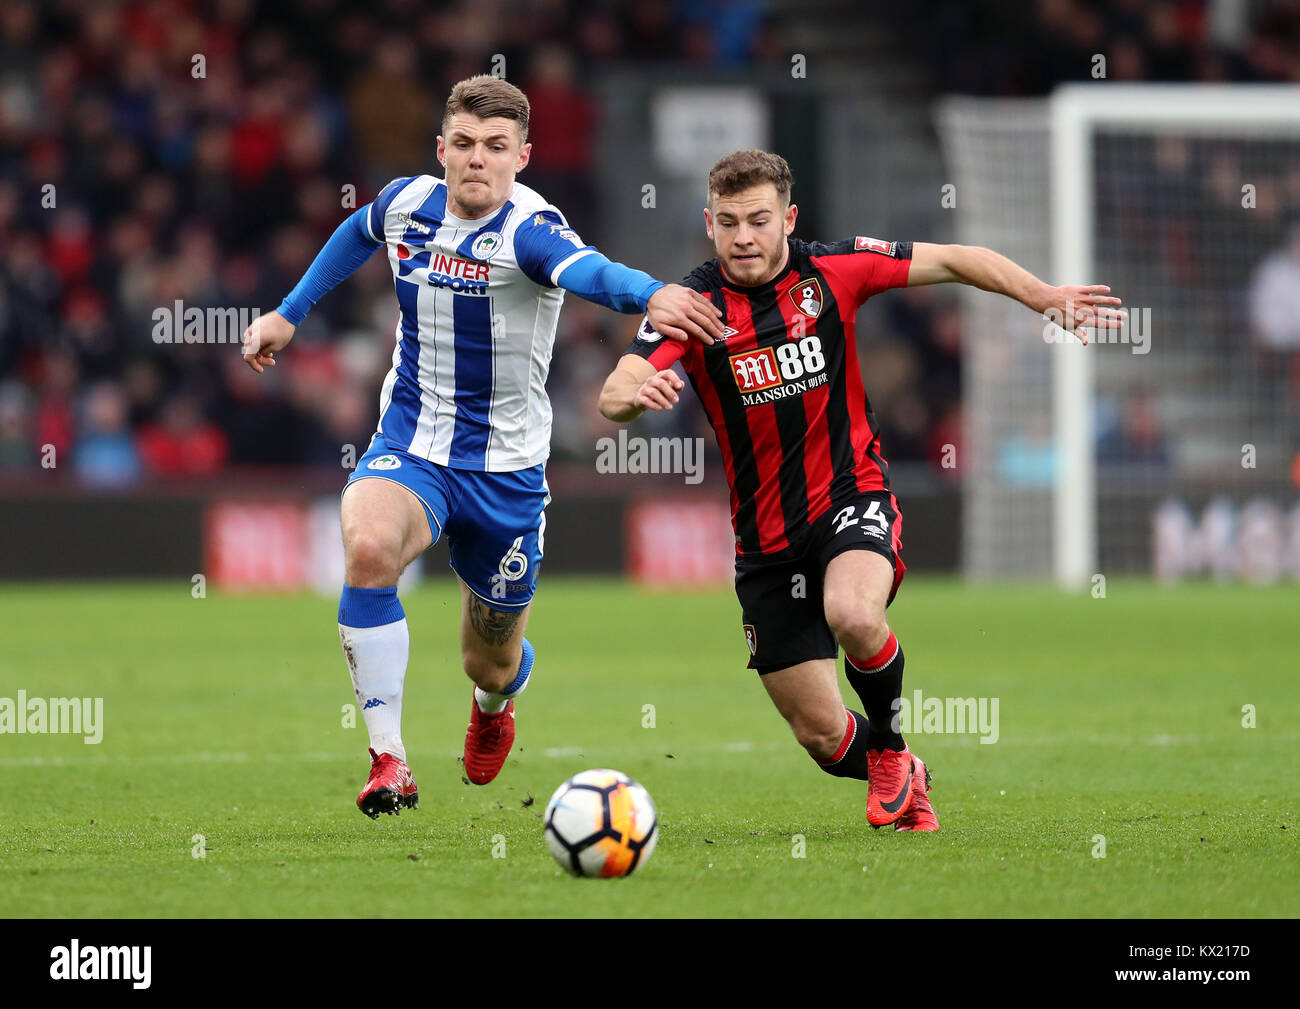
1076, 111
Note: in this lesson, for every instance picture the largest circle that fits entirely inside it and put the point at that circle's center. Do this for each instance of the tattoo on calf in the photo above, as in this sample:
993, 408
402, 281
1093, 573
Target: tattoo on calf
493, 626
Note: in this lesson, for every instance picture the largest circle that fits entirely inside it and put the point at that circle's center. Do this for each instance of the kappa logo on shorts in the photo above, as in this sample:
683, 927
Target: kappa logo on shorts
385, 462
751, 639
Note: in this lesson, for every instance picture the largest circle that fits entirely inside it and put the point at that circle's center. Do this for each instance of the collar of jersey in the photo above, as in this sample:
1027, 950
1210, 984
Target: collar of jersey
481, 222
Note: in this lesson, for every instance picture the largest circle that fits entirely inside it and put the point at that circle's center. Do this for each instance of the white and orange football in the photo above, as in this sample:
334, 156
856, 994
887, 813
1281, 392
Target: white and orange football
601, 823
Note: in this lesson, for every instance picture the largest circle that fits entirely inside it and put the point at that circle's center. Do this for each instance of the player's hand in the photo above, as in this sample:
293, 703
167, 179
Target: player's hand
680, 313
267, 334
659, 391
1077, 307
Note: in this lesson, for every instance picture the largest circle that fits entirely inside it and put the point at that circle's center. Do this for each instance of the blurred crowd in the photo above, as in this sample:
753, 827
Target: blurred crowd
167, 151
992, 47
174, 150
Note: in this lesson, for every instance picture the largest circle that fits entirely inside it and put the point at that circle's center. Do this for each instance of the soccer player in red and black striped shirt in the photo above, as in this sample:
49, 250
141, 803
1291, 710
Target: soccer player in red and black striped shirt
818, 530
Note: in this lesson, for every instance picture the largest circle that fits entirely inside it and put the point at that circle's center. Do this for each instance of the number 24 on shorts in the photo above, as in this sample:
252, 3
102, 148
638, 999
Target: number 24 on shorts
845, 518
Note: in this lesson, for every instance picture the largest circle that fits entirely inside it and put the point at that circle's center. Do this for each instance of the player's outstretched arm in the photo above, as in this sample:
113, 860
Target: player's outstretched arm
675, 311
551, 253
1074, 307
349, 247
636, 386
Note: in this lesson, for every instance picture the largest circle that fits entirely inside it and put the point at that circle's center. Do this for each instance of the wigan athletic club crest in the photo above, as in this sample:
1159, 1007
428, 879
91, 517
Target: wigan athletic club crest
486, 245
807, 297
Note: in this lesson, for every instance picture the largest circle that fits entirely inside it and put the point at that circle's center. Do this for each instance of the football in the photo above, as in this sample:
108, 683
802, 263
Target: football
601, 823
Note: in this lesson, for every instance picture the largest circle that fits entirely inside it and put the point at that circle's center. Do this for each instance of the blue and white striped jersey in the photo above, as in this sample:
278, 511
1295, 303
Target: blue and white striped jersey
479, 306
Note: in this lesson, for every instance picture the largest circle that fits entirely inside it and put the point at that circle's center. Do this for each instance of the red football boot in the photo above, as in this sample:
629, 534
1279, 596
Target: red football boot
487, 742
921, 815
391, 786
889, 785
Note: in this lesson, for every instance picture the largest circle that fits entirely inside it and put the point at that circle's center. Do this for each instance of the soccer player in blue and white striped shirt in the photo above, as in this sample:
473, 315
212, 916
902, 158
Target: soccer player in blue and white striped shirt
480, 266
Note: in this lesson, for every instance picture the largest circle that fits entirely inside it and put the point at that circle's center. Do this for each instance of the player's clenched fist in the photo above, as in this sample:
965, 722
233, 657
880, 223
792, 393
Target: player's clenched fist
659, 391
678, 313
267, 334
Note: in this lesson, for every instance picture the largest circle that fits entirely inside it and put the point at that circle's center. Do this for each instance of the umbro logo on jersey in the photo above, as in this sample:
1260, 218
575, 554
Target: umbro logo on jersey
728, 331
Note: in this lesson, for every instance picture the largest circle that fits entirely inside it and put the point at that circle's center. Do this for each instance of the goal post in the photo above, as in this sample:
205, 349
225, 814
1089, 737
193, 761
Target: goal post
1176, 196
1078, 112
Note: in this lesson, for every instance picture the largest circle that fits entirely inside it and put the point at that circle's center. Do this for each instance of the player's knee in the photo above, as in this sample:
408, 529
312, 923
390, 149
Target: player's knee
856, 626
372, 558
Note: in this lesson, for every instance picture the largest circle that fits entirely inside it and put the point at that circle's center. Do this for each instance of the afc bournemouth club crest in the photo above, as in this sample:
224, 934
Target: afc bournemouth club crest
751, 639
807, 297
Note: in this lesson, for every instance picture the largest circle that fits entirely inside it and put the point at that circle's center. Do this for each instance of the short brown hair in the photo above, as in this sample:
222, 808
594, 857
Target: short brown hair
488, 97
741, 170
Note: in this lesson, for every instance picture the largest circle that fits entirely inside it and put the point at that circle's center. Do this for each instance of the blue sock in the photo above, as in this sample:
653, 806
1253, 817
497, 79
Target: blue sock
491, 704
369, 607
525, 670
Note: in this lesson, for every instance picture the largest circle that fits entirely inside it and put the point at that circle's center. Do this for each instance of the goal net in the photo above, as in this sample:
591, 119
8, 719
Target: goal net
1171, 446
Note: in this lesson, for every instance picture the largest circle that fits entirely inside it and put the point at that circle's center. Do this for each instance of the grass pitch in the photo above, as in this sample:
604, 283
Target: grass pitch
223, 717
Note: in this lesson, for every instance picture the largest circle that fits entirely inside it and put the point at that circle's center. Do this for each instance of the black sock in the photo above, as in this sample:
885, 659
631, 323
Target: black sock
850, 760
879, 683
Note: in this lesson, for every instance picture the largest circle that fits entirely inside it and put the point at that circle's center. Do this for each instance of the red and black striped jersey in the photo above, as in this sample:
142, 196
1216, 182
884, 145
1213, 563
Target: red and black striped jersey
783, 390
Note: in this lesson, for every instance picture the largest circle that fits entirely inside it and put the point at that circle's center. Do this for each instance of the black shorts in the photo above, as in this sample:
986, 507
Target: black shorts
781, 602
